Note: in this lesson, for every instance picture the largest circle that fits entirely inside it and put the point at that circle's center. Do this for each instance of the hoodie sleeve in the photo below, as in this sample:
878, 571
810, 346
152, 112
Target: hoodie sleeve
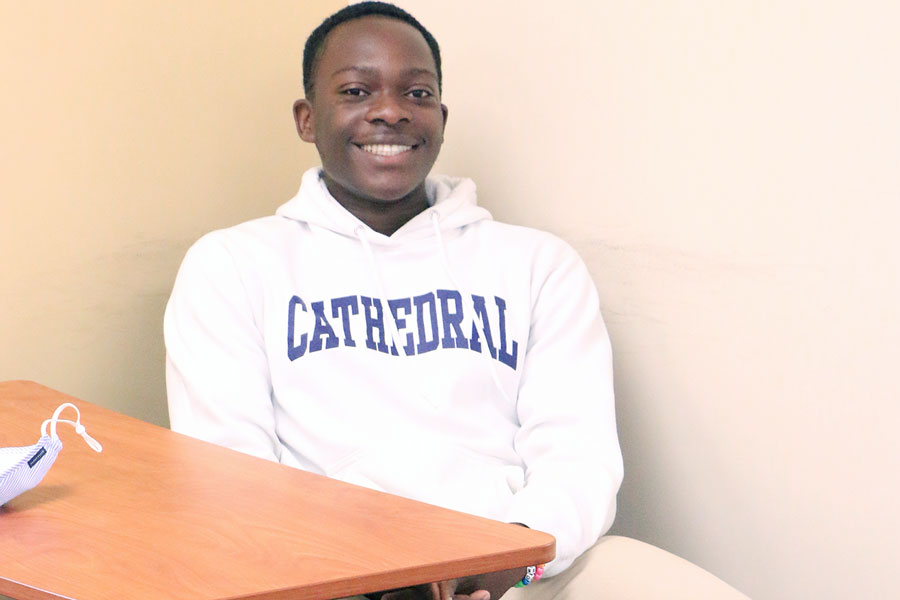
217, 374
568, 439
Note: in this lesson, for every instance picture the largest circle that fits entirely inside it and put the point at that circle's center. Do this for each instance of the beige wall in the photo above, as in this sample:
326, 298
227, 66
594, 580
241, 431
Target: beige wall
731, 173
128, 130
728, 170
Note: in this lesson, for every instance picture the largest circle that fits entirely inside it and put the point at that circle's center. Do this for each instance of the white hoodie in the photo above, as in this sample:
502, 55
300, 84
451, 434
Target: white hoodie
279, 345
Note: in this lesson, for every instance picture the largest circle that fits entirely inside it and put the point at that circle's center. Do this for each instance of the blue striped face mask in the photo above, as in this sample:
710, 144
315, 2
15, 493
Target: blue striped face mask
23, 468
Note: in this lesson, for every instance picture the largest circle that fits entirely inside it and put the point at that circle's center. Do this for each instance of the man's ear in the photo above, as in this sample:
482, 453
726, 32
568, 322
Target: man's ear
446, 112
303, 118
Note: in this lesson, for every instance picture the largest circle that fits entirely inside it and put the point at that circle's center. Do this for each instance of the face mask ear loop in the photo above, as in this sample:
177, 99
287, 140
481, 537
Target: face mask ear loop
79, 428
52, 420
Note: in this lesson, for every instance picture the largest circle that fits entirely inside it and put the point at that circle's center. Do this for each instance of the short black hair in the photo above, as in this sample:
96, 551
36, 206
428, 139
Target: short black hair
315, 43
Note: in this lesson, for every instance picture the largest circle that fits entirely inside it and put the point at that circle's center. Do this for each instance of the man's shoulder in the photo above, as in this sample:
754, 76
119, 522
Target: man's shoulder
240, 246
263, 231
261, 228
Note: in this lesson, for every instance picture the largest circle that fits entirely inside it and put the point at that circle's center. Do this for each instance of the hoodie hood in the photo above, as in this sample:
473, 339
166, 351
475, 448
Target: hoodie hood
453, 199
452, 206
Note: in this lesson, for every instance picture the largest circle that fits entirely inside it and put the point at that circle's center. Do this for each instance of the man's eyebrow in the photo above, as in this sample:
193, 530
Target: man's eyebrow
374, 71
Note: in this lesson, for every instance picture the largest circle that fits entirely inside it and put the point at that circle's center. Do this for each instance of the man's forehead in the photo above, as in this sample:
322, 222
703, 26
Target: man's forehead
375, 71
359, 43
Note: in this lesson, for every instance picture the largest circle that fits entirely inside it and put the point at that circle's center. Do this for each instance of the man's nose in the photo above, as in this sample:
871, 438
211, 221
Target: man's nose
389, 109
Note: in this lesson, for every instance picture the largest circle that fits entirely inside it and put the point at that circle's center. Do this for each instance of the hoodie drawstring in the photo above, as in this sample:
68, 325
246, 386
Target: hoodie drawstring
388, 313
469, 302
477, 320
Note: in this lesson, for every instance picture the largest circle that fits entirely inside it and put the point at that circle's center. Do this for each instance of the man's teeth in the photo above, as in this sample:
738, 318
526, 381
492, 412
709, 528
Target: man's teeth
385, 149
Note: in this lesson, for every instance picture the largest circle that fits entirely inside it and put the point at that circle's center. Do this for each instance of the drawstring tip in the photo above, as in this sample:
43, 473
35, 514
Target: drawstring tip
94, 444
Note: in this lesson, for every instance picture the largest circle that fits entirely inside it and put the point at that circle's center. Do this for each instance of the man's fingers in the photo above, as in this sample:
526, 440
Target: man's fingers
439, 591
443, 590
404, 594
479, 595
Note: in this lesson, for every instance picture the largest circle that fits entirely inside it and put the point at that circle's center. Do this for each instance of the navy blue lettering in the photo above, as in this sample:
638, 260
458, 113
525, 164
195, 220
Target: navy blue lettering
429, 332
506, 357
374, 322
474, 342
421, 302
395, 306
344, 307
452, 320
323, 327
295, 351
37, 457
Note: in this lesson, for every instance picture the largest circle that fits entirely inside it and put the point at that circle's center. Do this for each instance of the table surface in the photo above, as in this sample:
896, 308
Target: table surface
161, 515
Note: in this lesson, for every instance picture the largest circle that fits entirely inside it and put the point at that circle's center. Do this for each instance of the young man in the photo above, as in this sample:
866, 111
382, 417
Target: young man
383, 330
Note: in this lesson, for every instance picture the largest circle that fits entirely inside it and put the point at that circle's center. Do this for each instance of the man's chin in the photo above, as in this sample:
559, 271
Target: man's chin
392, 194
389, 198
385, 190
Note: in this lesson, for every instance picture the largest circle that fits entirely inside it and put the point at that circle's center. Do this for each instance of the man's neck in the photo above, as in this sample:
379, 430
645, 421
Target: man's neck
388, 218
383, 216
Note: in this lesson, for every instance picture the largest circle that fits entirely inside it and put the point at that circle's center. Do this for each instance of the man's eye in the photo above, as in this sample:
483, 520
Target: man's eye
420, 94
354, 92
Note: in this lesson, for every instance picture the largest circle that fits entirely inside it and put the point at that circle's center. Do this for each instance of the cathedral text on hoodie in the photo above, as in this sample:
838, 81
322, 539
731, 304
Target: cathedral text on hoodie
417, 315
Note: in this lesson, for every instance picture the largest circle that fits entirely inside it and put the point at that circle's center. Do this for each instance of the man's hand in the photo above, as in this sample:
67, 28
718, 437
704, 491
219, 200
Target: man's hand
481, 587
443, 590
446, 590
495, 584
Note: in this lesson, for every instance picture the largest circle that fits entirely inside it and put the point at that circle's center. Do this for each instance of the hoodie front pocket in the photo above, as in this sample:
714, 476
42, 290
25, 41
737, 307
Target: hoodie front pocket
433, 471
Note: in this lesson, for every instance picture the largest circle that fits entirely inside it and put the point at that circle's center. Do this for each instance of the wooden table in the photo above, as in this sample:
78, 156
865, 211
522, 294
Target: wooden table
159, 515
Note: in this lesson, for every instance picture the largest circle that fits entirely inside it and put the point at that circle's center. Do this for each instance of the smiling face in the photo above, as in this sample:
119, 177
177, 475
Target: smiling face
375, 117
